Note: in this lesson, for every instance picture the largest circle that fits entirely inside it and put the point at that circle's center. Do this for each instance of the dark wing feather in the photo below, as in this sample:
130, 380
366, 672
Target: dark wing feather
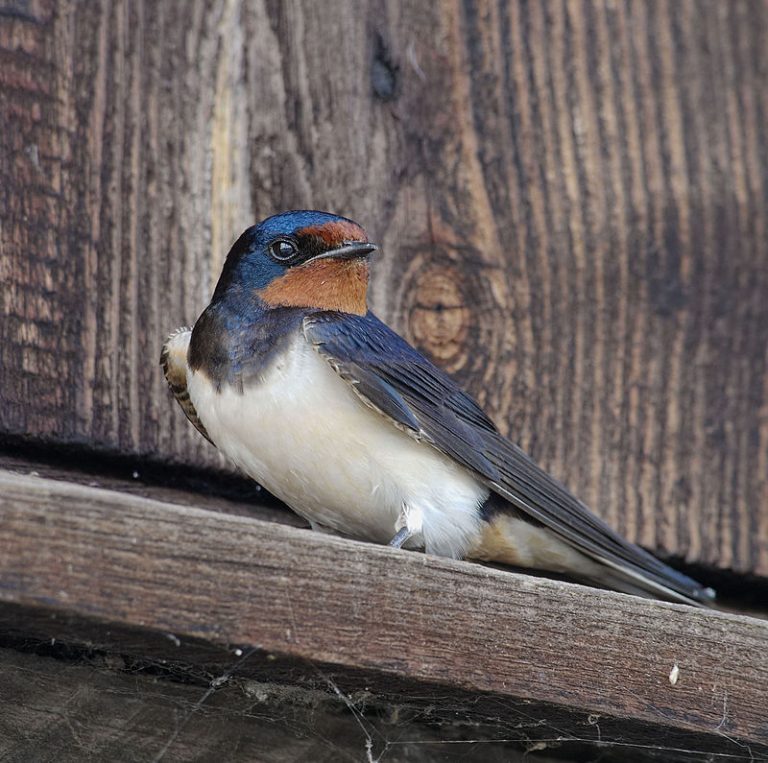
376, 393
394, 378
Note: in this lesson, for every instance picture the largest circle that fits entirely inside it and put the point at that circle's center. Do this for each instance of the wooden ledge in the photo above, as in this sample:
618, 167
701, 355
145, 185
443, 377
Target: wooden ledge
148, 578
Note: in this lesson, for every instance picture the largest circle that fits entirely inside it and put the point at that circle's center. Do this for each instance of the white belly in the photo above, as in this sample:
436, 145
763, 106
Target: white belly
304, 435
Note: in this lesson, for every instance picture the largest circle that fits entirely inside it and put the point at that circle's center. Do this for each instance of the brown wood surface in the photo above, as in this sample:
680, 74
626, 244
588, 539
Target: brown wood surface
572, 198
105, 709
183, 585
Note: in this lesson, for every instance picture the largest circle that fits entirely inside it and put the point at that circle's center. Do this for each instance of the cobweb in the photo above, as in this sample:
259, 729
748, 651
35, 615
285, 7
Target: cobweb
358, 725
90, 705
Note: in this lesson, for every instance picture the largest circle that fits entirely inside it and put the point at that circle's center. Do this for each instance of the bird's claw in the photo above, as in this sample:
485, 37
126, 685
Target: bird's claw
401, 536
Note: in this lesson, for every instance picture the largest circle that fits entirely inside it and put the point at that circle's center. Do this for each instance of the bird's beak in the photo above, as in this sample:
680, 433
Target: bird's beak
348, 251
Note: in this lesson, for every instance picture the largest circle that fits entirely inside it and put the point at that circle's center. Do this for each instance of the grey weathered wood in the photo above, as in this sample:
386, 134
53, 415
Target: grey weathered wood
54, 710
78, 560
106, 709
240, 497
572, 198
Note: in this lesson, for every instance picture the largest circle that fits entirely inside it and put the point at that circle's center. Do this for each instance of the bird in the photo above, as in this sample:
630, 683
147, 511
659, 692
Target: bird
301, 386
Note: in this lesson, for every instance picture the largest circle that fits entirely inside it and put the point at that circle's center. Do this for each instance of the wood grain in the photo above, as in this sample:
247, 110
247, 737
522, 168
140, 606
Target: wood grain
572, 198
69, 553
108, 709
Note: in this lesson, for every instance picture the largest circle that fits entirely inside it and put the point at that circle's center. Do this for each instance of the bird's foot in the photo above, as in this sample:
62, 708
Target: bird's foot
401, 536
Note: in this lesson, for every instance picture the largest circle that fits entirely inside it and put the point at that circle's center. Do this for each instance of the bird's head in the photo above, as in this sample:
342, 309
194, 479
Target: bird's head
301, 259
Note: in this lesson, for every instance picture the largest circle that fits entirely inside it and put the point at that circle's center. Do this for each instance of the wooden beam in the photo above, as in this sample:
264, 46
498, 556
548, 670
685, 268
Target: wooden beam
190, 587
572, 200
106, 709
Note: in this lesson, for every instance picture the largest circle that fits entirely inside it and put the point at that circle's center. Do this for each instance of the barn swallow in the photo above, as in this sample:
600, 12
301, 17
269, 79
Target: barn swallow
290, 375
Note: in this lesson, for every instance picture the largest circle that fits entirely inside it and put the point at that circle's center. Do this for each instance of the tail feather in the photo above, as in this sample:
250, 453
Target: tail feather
514, 538
630, 581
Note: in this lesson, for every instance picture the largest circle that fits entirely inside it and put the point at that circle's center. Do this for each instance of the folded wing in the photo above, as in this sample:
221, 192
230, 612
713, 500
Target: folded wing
395, 379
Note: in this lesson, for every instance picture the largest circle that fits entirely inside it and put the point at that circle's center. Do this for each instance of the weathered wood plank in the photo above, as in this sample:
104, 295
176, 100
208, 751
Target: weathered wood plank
53, 710
69, 553
204, 490
572, 198
105, 707
57, 711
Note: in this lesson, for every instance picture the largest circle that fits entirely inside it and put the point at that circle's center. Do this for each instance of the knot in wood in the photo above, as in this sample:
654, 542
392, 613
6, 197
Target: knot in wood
438, 315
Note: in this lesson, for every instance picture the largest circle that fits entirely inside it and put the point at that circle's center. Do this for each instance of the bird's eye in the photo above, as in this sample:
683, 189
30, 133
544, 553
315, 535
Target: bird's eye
282, 249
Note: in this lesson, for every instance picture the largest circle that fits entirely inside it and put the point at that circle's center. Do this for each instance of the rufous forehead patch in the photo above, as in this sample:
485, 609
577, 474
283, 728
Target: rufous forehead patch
335, 232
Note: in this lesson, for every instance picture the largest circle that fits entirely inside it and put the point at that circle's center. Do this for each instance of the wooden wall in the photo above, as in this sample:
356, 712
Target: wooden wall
572, 199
